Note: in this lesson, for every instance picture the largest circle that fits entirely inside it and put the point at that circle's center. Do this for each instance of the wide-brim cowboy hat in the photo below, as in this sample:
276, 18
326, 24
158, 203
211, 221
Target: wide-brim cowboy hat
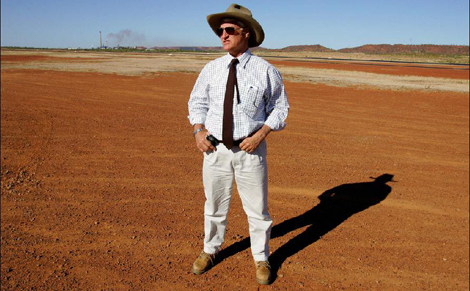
242, 14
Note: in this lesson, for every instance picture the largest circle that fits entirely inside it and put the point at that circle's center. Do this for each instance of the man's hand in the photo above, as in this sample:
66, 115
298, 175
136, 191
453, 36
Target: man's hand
202, 143
250, 144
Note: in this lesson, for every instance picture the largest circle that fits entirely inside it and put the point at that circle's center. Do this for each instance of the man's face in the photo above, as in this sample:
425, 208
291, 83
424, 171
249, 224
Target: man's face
237, 43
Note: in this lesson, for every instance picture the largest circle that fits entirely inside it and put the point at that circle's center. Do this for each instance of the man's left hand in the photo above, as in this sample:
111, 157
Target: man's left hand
250, 144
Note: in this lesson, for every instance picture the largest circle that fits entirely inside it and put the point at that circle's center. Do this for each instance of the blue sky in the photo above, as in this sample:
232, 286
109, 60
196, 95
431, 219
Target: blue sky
332, 23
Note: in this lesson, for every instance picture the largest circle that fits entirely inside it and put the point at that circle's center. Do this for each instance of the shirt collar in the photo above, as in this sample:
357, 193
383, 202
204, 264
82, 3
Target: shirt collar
243, 59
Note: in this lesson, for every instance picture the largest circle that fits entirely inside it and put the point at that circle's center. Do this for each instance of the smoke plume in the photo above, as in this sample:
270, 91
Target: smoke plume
125, 37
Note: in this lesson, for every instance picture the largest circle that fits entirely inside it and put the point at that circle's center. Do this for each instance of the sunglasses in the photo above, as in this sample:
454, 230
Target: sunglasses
229, 30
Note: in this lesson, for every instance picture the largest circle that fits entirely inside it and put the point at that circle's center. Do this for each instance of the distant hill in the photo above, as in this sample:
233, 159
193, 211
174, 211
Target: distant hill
460, 50
389, 49
305, 48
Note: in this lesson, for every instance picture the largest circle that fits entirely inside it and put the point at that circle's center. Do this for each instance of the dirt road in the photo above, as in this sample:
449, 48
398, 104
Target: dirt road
101, 185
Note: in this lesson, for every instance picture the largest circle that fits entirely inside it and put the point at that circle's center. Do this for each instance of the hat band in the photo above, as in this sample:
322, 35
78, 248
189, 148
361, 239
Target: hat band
233, 21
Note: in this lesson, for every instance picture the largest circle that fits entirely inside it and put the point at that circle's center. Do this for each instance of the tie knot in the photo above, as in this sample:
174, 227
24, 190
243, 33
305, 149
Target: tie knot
233, 62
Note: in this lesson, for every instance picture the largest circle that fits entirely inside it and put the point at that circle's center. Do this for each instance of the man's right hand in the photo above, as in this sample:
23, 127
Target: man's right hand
202, 143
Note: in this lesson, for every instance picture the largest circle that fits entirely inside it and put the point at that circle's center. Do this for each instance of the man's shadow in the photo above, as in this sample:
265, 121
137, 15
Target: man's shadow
336, 205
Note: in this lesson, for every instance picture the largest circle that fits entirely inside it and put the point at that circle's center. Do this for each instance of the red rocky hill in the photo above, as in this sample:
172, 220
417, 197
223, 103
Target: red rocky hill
306, 48
407, 49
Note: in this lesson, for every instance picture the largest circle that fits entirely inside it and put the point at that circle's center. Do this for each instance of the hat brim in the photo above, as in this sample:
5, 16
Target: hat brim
256, 31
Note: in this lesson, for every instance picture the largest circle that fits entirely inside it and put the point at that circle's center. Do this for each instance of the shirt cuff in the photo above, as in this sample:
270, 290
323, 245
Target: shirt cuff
274, 124
198, 119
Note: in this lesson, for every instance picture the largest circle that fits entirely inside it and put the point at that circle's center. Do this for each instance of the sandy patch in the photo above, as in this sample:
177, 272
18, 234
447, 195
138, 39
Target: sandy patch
348, 74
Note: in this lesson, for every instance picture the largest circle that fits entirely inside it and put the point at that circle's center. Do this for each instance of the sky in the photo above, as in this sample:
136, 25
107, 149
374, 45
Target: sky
334, 24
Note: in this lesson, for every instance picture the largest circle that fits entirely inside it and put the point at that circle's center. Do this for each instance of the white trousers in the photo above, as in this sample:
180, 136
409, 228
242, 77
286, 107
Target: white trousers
251, 175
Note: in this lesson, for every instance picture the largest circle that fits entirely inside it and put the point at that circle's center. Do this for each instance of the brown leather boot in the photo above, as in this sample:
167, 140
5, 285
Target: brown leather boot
203, 263
263, 272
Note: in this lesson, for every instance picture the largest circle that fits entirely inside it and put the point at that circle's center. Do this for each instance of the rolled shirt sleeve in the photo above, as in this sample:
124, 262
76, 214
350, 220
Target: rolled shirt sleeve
277, 106
198, 103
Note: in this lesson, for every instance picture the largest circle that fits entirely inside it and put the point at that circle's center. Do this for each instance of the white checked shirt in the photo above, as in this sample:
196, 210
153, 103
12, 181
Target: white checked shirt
262, 97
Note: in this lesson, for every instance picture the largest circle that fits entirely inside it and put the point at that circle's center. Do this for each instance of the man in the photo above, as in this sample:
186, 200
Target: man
237, 101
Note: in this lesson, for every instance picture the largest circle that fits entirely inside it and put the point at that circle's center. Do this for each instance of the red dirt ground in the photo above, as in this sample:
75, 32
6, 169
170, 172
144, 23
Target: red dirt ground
101, 188
439, 71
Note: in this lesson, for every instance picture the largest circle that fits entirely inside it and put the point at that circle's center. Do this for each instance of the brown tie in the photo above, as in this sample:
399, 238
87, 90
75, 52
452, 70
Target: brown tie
227, 131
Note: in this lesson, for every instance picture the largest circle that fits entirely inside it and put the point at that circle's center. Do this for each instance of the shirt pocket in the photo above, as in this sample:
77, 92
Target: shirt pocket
251, 100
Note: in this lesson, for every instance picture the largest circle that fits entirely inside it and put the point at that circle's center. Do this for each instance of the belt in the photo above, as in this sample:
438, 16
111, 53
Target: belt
235, 142
238, 142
